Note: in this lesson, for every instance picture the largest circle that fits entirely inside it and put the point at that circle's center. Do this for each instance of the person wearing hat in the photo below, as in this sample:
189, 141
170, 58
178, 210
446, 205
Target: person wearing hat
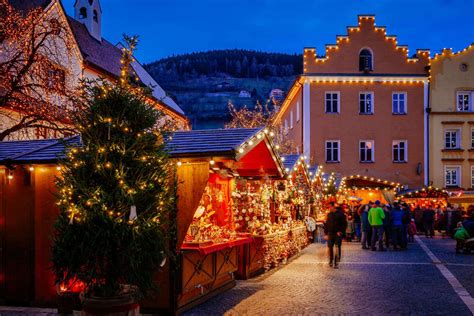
376, 217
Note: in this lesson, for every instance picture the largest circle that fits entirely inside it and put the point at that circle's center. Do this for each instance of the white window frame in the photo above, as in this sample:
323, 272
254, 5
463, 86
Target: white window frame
297, 111
470, 95
458, 175
398, 102
286, 127
372, 150
338, 150
338, 106
458, 138
405, 158
291, 119
472, 176
372, 98
472, 138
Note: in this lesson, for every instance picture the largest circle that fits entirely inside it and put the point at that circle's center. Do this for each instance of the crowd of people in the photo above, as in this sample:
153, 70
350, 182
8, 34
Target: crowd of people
380, 226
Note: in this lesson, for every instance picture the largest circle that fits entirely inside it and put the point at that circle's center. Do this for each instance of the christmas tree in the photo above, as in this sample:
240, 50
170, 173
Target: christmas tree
116, 196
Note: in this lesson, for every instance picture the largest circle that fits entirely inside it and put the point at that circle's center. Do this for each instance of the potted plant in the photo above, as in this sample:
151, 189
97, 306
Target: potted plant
115, 198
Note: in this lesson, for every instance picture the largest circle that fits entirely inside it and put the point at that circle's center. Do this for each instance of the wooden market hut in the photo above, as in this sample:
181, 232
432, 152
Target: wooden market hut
27, 213
210, 161
368, 188
290, 194
317, 193
298, 176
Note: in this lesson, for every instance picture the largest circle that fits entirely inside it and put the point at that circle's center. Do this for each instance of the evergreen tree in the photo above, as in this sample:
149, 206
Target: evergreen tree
115, 196
254, 68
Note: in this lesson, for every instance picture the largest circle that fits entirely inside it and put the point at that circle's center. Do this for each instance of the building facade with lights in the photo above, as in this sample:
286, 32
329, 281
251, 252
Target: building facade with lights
90, 57
361, 108
451, 130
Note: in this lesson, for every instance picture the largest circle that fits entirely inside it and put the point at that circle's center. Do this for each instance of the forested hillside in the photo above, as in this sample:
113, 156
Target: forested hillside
203, 83
237, 63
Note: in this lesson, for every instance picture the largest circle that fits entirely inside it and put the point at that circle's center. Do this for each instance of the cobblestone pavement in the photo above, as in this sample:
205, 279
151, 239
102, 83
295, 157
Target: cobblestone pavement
367, 283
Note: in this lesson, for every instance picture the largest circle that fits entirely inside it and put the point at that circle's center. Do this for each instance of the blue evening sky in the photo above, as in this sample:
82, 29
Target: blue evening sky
168, 27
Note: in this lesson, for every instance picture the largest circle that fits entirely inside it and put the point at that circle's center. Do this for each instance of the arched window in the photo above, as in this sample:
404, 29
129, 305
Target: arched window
365, 60
94, 16
82, 13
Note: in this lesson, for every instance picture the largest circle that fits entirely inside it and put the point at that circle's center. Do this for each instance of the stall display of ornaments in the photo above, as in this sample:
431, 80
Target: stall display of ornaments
205, 227
251, 207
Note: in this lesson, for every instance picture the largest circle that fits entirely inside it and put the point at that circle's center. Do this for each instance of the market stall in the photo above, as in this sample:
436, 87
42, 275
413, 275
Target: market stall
424, 197
368, 189
28, 210
283, 233
212, 167
317, 190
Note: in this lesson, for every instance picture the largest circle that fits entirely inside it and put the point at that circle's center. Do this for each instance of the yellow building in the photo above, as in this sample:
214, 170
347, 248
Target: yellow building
451, 123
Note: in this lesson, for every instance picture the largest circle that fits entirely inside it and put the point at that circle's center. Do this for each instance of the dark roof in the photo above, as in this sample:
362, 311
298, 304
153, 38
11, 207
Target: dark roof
290, 160
35, 151
26, 5
197, 143
101, 54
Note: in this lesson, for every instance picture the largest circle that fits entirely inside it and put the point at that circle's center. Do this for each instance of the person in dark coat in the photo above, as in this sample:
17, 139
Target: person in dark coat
396, 218
428, 219
335, 227
468, 224
387, 225
365, 226
406, 220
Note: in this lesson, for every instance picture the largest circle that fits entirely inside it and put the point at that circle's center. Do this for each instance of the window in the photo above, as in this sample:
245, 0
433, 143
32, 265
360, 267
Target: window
464, 101
297, 111
452, 176
366, 151
95, 16
286, 126
472, 176
332, 102
472, 138
399, 103
291, 119
365, 60
82, 13
366, 103
56, 79
332, 151
399, 151
452, 139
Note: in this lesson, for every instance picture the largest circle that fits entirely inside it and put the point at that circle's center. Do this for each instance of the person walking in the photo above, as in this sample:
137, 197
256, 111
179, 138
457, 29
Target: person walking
396, 217
335, 227
376, 217
428, 222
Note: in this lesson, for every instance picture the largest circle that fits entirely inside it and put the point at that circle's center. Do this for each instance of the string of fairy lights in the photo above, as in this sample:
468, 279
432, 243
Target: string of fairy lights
310, 52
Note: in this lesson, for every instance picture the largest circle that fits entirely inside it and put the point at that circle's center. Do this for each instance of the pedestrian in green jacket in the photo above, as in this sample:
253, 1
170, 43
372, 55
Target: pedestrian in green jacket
461, 235
376, 216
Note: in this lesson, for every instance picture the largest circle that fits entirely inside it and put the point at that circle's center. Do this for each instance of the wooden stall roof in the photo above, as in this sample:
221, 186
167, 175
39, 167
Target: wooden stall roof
313, 172
290, 161
35, 151
423, 193
205, 143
